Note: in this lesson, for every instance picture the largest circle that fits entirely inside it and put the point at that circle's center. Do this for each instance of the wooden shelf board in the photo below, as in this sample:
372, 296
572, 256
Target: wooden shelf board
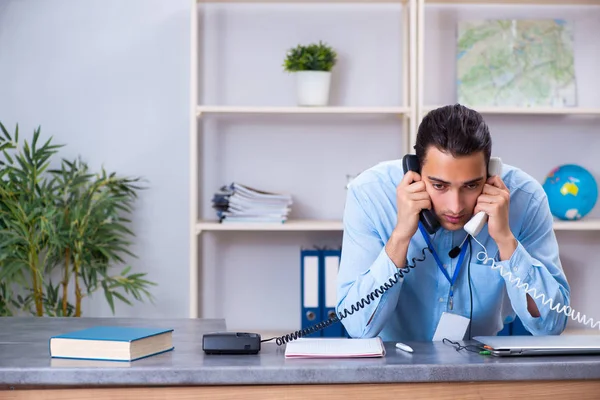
291, 225
301, 110
531, 111
521, 2
318, 225
591, 224
302, 1
483, 2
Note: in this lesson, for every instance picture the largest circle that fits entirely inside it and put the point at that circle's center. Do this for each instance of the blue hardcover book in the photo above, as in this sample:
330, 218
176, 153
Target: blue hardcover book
115, 343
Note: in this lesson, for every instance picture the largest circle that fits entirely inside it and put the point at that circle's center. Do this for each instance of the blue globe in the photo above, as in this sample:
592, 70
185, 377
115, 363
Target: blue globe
572, 192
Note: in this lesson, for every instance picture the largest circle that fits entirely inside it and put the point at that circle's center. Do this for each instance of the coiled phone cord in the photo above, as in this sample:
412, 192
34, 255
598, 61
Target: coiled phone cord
571, 313
362, 303
482, 256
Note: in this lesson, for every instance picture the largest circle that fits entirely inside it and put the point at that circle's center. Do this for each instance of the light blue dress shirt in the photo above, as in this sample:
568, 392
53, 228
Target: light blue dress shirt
412, 308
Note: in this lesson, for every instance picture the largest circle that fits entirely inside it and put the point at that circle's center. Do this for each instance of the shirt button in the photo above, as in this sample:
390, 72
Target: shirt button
515, 269
441, 299
445, 265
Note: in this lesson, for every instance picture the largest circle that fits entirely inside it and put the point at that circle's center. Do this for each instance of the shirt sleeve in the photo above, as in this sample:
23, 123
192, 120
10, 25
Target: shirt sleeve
535, 268
364, 268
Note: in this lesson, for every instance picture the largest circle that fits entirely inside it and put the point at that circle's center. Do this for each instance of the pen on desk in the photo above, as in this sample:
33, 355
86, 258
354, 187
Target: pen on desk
404, 347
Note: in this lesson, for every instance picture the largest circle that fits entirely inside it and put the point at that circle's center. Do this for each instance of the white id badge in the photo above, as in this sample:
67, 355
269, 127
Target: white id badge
451, 326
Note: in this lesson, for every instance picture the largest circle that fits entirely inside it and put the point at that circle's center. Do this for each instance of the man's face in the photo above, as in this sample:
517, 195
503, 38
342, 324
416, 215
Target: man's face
454, 184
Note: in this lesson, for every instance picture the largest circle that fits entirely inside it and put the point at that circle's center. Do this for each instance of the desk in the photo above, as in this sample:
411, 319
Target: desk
434, 370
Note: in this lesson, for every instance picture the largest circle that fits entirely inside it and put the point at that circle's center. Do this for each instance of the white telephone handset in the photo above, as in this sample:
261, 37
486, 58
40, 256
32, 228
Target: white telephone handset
475, 224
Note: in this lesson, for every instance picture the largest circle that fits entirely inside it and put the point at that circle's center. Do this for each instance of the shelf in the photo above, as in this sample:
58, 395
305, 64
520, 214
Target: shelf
293, 225
302, 1
524, 2
530, 111
521, 2
580, 225
301, 110
318, 225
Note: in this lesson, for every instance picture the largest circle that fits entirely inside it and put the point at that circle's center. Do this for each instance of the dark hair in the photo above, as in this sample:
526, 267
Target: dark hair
454, 129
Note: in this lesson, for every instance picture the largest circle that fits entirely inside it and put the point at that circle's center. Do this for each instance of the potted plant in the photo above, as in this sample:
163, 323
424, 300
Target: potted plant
67, 224
312, 64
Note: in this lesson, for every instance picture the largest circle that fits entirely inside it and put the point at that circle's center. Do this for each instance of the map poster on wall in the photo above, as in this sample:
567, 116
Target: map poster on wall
516, 63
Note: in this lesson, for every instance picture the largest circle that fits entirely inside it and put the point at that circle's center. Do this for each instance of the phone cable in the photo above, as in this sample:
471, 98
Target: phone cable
362, 303
505, 273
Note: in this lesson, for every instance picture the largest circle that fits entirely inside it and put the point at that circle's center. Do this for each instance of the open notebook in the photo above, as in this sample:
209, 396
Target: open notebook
335, 348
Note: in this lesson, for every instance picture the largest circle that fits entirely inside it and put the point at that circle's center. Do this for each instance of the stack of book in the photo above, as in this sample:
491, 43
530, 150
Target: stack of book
240, 203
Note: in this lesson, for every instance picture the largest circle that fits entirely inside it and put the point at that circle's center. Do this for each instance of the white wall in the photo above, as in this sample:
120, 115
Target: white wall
110, 79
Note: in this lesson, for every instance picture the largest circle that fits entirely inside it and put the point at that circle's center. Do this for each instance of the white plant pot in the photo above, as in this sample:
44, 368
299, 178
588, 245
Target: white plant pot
313, 87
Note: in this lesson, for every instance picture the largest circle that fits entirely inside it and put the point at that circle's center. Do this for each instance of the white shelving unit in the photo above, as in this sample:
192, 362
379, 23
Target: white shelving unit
406, 112
411, 112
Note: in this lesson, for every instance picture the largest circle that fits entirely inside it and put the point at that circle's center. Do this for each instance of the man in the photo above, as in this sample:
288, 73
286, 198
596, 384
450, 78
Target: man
382, 234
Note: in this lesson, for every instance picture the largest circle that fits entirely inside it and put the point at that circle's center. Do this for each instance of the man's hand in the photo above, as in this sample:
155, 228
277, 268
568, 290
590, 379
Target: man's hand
495, 202
411, 198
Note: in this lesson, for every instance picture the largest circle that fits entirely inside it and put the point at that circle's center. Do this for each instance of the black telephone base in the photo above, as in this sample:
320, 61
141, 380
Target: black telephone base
231, 343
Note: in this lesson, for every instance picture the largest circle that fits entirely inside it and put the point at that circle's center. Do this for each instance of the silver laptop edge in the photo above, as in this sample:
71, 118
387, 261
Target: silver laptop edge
541, 345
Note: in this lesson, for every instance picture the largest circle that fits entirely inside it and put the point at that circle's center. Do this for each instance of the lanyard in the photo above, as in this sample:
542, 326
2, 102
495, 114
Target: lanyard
461, 257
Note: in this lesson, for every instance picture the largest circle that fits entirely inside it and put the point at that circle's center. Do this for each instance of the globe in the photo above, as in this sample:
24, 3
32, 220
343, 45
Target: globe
572, 192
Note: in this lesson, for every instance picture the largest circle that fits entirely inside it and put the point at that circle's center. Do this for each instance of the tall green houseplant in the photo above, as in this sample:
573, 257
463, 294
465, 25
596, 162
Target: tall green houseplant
26, 215
67, 224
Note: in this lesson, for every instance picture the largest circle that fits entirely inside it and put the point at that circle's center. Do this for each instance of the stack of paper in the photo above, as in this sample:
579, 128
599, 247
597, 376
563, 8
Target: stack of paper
240, 203
335, 348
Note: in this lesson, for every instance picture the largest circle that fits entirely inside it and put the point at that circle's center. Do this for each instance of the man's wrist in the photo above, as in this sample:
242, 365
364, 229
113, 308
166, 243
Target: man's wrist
397, 248
400, 237
507, 247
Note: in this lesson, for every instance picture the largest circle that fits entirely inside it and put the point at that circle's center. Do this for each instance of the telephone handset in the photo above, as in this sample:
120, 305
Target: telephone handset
476, 223
410, 162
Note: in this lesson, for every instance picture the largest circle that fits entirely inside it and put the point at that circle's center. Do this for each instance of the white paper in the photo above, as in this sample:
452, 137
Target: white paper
451, 326
334, 348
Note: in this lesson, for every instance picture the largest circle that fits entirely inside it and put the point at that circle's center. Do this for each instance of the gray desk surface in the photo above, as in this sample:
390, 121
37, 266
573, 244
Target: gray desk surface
24, 360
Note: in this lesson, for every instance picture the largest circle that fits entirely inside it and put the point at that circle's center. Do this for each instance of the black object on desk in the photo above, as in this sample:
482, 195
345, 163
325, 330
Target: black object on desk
231, 343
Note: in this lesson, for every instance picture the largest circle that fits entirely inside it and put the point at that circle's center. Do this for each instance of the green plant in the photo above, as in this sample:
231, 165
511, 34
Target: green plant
67, 222
26, 215
312, 57
91, 233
